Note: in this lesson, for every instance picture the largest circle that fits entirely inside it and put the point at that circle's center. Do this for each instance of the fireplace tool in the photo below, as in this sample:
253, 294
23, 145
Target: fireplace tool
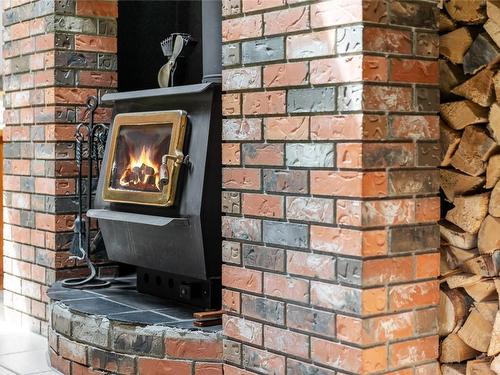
173, 47
82, 244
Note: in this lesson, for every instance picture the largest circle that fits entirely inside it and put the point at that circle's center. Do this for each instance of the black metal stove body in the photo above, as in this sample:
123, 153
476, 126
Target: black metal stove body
177, 249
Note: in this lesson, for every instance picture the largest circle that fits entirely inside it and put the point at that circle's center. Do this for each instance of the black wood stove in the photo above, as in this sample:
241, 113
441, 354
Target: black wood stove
158, 197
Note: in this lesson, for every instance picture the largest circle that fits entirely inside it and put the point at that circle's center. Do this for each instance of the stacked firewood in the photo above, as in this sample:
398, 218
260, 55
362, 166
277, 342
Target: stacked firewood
469, 317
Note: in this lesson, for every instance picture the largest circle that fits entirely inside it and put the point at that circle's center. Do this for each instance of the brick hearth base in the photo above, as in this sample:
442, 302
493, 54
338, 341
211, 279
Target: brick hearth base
90, 344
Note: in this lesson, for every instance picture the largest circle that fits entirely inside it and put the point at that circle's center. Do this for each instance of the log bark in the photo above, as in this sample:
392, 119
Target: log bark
481, 53
456, 236
476, 331
455, 183
455, 44
455, 350
488, 238
478, 89
453, 308
469, 211
463, 113
475, 148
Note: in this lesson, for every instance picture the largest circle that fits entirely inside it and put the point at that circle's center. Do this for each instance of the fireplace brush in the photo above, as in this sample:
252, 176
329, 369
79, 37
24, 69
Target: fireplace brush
82, 243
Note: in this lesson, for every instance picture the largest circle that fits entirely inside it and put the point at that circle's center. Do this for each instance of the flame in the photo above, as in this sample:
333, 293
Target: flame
145, 158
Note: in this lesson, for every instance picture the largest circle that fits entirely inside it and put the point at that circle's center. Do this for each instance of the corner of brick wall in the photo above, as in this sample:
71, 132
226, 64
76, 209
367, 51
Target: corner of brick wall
56, 53
330, 187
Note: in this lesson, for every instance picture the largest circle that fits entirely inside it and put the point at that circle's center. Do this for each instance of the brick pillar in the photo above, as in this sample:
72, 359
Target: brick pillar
56, 54
330, 187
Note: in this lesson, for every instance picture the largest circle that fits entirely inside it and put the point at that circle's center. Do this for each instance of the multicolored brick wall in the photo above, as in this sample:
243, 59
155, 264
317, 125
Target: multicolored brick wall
56, 53
330, 187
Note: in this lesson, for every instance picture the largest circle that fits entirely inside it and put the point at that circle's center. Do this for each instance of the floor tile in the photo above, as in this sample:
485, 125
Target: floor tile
4, 371
15, 342
35, 361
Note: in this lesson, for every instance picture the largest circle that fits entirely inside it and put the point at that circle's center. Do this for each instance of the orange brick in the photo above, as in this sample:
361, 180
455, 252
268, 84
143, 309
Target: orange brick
97, 8
164, 367
387, 271
286, 341
387, 40
333, 12
231, 104
269, 102
242, 28
350, 184
289, 74
262, 205
241, 278
286, 20
311, 265
427, 266
241, 178
230, 153
99, 79
414, 295
96, 43
415, 127
286, 287
194, 349
373, 301
376, 213
286, 128
208, 368
414, 351
231, 301
242, 329
387, 98
427, 209
343, 127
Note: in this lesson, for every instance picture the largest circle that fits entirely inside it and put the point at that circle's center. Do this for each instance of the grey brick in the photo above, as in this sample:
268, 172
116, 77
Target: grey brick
286, 181
427, 99
91, 329
230, 202
45, 150
107, 27
12, 150
62, 204
349, 270
64, 6
336, 297
37, 133
64, 151
269, 258
107, 61
20, 64
416, 14
27, 184
27, 219
64, 77
350, 98
105, 360
61, 319
231, 54
231, 252
70, 59
287, 234
140, 340
415, 238
310, 320
38, 202
75, 24
321, 99
310, 154
261, 50
350, 39
263, 309
66, 41
294, 367
232, 351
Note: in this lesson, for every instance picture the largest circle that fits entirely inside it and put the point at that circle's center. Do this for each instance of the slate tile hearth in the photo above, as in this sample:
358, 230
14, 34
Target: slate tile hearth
122, 302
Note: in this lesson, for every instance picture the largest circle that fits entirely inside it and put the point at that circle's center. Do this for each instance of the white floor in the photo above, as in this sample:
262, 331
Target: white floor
21, 352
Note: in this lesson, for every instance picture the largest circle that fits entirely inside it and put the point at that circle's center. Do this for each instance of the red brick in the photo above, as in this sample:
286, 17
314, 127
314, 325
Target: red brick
242, 329
231, 301
96, 43
241, 278
411, 352
360, 361
334, 12
97, 79
11, 182
286, 287
163, 366
242, 28
285, 341
414, 71
262, 205
288, 74
241, 178
387, 98
269, 102
231, 104
415, 127
343, 127
387, 40
97, 8
311, 265
59, 363
73, 351
286, 20
70, 95
231, 370
263, 154
348, 241
194, 349
414, 295
208, 369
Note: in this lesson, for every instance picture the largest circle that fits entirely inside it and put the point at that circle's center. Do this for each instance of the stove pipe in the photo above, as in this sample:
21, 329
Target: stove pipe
212, 40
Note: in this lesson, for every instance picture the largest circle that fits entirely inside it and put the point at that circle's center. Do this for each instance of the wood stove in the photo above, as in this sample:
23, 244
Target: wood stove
158, 196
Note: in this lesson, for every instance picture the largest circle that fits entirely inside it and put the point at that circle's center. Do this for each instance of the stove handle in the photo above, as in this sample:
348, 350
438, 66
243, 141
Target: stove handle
179, 159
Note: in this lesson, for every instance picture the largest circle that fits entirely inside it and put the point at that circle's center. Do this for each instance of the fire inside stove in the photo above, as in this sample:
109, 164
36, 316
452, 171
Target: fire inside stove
137, 160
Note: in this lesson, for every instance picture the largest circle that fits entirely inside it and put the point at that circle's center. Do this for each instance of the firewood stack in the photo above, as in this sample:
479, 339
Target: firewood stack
469, 317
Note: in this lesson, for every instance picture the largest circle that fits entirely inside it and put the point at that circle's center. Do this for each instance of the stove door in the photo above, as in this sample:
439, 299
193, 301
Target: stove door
145, 157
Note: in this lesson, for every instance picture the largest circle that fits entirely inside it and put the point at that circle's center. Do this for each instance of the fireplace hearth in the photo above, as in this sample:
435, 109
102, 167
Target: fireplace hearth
157, 208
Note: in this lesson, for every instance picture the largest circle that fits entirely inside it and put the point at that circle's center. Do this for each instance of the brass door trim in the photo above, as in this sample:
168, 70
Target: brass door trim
166, 197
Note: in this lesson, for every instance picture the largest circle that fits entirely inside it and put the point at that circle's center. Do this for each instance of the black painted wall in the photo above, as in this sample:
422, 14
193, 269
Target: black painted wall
142, 25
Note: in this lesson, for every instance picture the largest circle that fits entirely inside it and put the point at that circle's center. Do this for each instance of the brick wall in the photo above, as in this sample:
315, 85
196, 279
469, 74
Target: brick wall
56, 54
330, 187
